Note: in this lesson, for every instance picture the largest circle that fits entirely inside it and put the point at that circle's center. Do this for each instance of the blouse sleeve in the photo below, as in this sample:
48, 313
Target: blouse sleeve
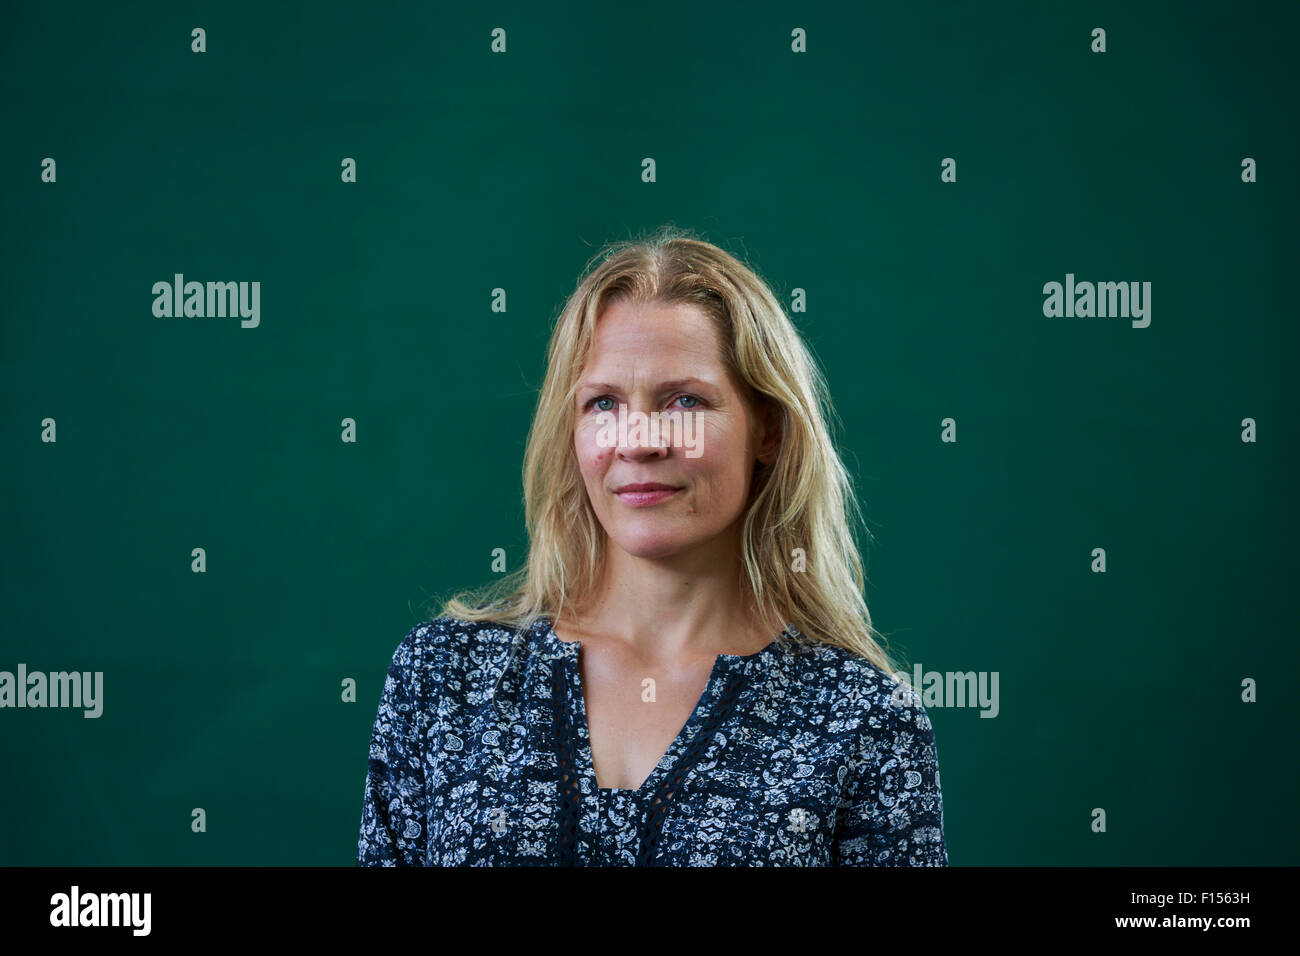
393, 811
895, 812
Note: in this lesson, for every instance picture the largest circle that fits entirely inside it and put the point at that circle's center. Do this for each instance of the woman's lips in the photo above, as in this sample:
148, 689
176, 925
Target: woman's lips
640, 499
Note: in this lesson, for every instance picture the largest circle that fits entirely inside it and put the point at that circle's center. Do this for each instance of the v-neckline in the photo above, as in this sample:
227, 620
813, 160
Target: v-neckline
724, 665
702, 710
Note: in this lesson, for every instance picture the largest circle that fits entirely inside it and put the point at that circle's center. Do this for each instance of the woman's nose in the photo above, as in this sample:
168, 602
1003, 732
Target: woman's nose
642, 434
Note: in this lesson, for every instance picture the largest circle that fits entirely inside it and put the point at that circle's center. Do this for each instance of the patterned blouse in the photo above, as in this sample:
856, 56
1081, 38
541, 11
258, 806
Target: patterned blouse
799, 755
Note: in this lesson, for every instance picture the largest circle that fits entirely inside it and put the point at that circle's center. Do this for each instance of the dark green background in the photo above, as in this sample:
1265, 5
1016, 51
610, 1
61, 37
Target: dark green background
476, 171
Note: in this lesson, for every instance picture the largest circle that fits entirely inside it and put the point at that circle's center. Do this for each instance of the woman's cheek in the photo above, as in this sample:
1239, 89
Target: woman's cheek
594, 458
590, 454
594, 466
718, 439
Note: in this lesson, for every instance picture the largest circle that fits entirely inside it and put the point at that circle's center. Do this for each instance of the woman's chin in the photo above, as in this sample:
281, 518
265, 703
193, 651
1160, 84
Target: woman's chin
651, 544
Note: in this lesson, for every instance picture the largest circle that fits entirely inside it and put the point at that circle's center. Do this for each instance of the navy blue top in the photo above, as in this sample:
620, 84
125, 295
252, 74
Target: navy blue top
799, 755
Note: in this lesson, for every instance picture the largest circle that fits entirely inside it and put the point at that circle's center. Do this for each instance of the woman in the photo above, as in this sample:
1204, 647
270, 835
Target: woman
684, 673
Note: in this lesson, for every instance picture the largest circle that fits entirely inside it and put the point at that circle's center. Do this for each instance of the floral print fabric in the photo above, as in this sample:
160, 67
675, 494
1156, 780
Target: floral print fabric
803, 754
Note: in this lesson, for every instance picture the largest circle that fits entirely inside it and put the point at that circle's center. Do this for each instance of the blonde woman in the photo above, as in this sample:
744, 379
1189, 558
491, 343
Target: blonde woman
684, 673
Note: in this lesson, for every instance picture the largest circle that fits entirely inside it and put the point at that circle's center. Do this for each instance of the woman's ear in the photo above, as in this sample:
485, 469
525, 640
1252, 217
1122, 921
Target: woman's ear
770, 435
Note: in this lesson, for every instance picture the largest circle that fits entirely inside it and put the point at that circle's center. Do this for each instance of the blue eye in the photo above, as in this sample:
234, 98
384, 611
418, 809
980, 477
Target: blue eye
595, 402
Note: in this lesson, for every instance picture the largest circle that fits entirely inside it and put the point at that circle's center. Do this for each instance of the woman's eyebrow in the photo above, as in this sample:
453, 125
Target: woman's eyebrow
663, 386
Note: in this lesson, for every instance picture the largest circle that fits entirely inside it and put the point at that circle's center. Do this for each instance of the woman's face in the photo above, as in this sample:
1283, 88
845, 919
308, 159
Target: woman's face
658, 358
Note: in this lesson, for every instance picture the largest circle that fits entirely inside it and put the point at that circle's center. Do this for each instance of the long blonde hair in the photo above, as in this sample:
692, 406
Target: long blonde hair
804, 500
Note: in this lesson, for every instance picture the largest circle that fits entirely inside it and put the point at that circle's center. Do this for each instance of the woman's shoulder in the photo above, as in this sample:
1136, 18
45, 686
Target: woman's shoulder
825, 661
859, 687
455, 643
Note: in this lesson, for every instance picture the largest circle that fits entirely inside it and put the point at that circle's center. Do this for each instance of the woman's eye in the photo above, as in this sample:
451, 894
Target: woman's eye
595, 402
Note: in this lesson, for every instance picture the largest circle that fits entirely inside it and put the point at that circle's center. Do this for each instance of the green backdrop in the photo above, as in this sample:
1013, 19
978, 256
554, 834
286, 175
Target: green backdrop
479, 170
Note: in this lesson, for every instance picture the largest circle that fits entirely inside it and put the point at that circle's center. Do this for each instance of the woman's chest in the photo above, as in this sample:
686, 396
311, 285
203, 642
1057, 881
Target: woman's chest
629, 715
510, 782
